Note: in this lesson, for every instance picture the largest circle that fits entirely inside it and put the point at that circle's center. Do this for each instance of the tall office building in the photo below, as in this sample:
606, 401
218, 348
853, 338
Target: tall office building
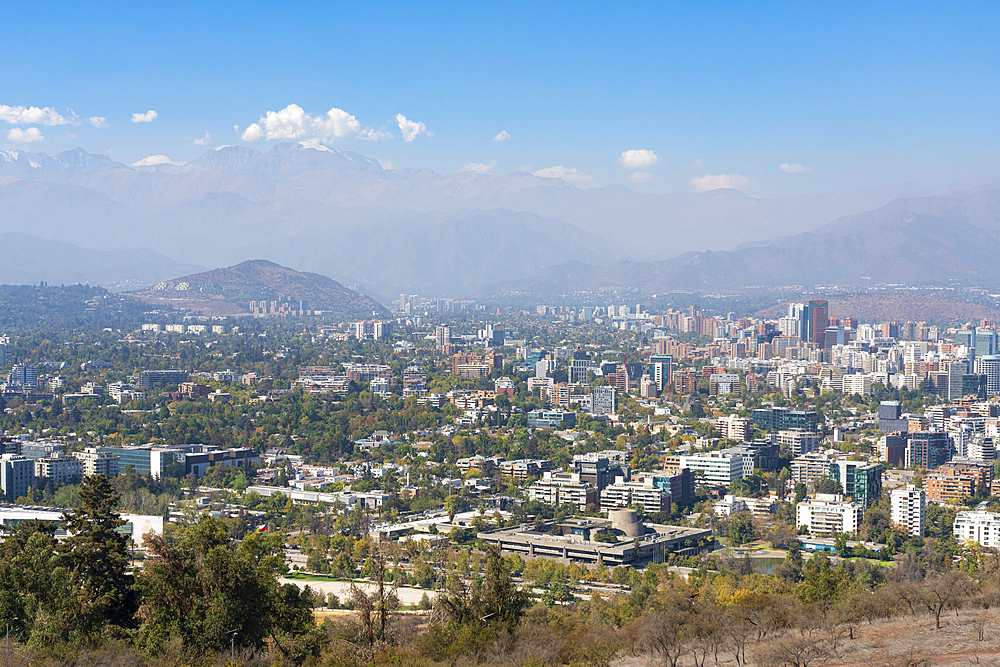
965, 337
793, 324
986, 342
861, 481
24, 376
658, 370
989, 366
442, 336
604, 401
577, 371
819, 318
17, 475
6, 352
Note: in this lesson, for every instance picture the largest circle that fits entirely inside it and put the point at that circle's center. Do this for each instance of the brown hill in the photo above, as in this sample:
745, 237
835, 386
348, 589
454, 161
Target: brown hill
914, 306
229, 291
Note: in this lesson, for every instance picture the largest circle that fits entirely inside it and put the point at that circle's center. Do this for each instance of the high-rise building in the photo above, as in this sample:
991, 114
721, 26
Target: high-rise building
24, 376
17, 475
658, 370
989, 365
965, 337
577, 371
907, 509
781, 419
986, 342
861, 481
98, 463
819, 317
928, 449
60, 469
604, 401
794, 323
828, 514
798, 441
890, 417
149, 379
442, 336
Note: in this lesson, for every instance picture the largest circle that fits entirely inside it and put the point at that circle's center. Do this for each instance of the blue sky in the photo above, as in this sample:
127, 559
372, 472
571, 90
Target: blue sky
859, 95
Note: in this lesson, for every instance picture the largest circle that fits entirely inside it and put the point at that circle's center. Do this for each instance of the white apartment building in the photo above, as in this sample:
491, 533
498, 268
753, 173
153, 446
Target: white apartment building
982, 528
982, 448
828, 513
858, 383
798, 441
735, 427
807, 467
730, 505
604, 400
907, 509
59, 469
714, 467
562, 488
641, 491
98, 463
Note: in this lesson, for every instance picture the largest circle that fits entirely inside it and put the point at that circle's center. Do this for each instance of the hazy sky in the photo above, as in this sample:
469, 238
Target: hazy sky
703, 94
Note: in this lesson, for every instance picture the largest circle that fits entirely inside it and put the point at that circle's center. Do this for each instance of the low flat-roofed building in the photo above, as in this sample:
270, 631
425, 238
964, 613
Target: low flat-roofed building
136, 525
650, 543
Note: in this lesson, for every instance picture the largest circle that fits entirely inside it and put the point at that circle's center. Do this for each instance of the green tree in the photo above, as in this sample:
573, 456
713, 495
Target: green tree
205, 586
453, 505
96, 555
741, 529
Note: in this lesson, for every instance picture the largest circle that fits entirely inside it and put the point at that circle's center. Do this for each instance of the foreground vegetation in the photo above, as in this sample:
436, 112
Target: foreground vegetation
202, 595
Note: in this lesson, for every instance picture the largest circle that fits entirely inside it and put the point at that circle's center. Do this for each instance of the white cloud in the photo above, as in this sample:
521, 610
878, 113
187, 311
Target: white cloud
717, 181
411, 128
27, 136
147, 117
642, 158
153, 160
568, 174
204, 140
98, 121
253, 132
480, 168
795, 168
33, 116
504, 135
641, 176
697, 164
293, 122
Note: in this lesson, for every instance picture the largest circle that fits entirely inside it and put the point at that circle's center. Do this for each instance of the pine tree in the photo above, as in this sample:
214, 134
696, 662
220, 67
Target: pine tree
96, 555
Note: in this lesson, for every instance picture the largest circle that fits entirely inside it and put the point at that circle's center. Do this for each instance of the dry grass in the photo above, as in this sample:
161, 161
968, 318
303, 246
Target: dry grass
972, 637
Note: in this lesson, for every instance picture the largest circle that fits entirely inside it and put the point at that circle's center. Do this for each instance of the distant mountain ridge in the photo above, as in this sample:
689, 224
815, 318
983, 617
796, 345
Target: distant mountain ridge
342, 214
914, 240
30, 260
229, 290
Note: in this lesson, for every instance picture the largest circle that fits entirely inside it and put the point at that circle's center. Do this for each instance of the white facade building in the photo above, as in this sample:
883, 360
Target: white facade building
714, 467
982, 528
828, 513
798, 441
907, 509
